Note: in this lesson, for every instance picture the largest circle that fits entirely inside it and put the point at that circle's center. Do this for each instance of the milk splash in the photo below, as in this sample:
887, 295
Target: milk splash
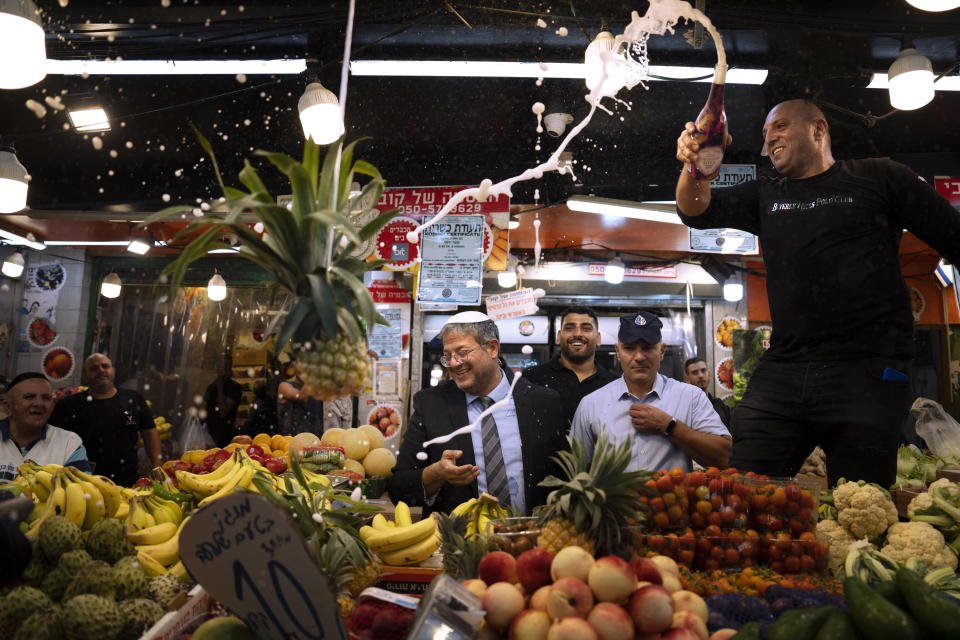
660, 18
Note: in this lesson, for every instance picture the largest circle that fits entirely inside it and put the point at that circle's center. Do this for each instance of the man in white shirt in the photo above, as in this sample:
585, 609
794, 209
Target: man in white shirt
668, 422
25, 434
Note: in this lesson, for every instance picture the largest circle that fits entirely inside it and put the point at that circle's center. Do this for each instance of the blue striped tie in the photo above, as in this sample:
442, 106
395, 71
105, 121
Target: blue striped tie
493, 456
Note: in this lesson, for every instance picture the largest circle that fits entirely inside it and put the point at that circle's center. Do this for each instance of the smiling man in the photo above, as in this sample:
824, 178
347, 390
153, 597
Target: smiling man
667, 422
837, 370
25, 434
506, 455
697, 373
574, 371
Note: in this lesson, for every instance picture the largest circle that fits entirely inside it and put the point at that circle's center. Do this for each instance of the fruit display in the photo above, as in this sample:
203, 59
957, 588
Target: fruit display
164, 428
401, 542
84, 499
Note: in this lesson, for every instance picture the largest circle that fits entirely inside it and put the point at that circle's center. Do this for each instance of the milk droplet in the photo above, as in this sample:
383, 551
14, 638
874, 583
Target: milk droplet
537, 108
241, 78
38, 109
422, 455
258, 227
113, 153
539, 82
128, 144
526, 349
97, 143
562, 32
164, 3
63, 3
541, 23
165, 197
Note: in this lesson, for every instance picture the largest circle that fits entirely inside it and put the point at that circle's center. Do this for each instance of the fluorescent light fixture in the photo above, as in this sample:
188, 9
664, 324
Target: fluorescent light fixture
495, 69
13, 181
224, 250
217, 288
138, 246
624, 209
614, 270
733, 292
22, 47
20, 240
110, 286
175, 67
86, 243
90, 119
13, 265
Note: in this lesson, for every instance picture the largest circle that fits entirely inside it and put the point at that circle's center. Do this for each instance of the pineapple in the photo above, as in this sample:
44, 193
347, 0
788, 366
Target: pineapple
461, 554
593, 501
312, 249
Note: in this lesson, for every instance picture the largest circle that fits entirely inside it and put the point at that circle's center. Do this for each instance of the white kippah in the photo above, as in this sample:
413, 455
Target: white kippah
467, 317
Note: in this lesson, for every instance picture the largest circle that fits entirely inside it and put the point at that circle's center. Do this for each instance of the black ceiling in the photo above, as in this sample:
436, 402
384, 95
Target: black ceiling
456, 131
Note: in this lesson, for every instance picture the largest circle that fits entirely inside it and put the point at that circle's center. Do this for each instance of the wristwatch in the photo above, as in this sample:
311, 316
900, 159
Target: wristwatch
670, 427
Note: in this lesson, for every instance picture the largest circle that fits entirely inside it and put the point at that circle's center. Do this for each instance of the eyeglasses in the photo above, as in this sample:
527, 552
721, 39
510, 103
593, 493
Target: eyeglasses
456, 358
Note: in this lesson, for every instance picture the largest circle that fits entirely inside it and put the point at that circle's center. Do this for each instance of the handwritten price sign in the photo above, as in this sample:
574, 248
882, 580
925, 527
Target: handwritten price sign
245, 552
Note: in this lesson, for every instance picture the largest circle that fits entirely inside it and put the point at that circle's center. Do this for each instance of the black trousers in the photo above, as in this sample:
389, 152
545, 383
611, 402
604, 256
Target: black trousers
847, 407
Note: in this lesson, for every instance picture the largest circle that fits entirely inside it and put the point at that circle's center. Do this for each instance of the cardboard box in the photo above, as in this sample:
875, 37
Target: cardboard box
195, 610
902, 498
406, 580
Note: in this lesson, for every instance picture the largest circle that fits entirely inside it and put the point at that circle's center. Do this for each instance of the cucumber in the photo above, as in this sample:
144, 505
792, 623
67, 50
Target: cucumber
749, 631
890, 592
936, 612
800, 624
875, 617
839, 626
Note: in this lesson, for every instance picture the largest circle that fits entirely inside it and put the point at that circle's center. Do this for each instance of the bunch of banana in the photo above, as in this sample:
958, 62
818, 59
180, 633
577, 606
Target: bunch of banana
480, 511
84, 499
37, 479
158, 545
236, 471
401, 542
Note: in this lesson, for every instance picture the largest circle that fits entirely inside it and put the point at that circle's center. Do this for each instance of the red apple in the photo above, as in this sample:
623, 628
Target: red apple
222, 454
498, 566
651, 608
569, 598
475, 585
182, 465
611, 622
142, 482
646, 570
691, 622
571, 629
612, 579
533, 569
275, 465
539, 598
254, 449
502, 601
574, 562
689, 601
530, 624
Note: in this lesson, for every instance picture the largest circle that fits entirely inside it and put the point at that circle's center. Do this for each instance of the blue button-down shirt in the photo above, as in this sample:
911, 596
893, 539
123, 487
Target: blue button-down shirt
509, 430
608, 409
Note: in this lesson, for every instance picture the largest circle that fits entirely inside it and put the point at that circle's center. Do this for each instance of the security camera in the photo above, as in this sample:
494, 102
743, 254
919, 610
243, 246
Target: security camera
556, 123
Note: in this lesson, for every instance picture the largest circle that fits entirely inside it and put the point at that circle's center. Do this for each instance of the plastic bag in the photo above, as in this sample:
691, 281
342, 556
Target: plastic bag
194, 436
937, 428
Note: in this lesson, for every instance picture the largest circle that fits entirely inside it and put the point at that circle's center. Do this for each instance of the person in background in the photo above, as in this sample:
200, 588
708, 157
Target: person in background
667, 422
25, 434
695, 372
110, 421
506, 455
838, 367
221, 400
574, 371
298, 411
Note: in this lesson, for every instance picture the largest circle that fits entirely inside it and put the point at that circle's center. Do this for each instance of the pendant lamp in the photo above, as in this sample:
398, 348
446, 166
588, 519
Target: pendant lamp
23, 53
320, 114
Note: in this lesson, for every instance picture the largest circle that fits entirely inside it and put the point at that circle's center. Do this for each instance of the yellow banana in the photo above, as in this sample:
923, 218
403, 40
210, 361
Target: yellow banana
402, 537
55, 504
412, 554
150, 566
202, 486
95, 505
138, 518
76, 505
380, 523
152, 535
52, 468
464, 507
166, 552
180, 572
165, 510
402, 514
112, 494
242, 474
40, 483
122, 511
366, 531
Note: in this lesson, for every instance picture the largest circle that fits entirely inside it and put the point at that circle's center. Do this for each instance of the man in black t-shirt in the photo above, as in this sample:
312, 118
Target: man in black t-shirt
221, 400
109, 421
574, 371
837, 371
695, 372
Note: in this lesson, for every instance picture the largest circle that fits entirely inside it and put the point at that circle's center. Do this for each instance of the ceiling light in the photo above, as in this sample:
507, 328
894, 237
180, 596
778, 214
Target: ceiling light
934, 5
87, 243
614, 270
514, 223
217, 288
320, 114
733, 292
92, 118
18, 239
139, 246
569, 70
910, 79
13, 265
23, 54
602, 64
944, 83
13, 181
625, 209
175, 67
507, 278
110, 286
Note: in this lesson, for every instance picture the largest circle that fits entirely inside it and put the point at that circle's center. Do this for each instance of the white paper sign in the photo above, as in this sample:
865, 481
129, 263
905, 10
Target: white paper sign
245, 552
387, 340
451, 265
512, 304
727, 240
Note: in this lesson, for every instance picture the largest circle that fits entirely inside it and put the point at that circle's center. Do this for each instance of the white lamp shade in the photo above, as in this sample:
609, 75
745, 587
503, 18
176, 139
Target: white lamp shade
23, 53
934, 5
13, 265
217, 288
600, 58
910, 80
507, 279
110, 286
13, 182
733, 292
613, 272
320, 114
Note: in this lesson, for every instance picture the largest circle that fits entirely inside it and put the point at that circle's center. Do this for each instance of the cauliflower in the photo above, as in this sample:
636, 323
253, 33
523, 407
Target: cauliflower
920, 501
918, 540
947, 484
838, 538
865, 510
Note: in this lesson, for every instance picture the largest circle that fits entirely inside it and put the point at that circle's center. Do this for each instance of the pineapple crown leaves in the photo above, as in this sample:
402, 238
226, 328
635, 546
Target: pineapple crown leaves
307, 247
461, 555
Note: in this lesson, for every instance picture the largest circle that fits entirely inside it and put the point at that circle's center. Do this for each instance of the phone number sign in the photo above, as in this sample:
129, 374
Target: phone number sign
419, 202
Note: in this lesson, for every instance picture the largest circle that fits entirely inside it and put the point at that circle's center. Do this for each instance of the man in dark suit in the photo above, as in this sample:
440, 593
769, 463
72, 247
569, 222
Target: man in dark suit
507, 454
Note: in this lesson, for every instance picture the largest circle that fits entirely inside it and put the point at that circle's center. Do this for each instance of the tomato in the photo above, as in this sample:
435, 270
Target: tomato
664, 483
791, 564
696, 478
731, 557
704, 508
657, 504
661, 520
703, 492
676, 513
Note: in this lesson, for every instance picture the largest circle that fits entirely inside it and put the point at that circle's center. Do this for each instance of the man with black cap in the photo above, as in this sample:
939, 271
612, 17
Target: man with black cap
506, 455
24, 433
668, 422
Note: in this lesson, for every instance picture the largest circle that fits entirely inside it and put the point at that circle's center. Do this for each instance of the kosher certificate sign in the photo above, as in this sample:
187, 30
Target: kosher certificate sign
451, 261
387, 340
726, 240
